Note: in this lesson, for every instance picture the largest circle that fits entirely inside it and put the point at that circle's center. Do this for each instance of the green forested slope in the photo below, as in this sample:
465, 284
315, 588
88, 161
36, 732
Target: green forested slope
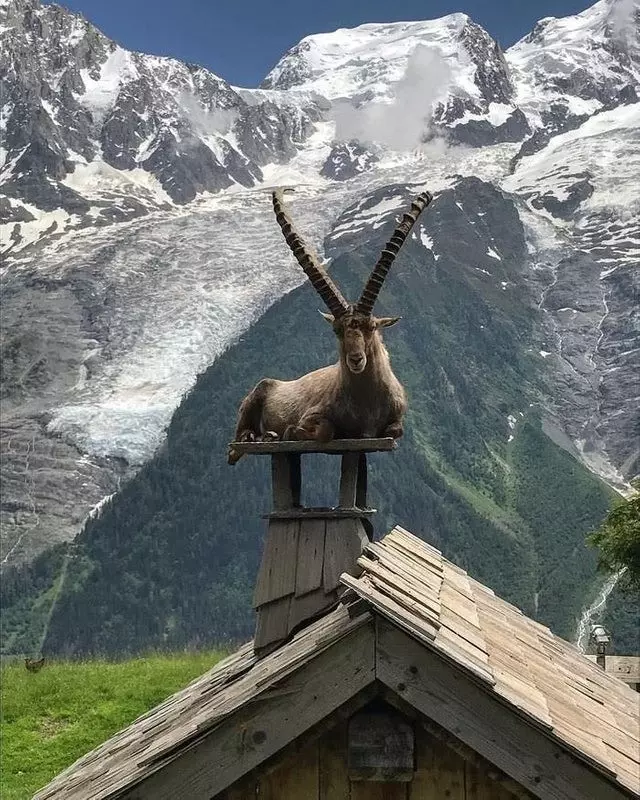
622, 620
172, 560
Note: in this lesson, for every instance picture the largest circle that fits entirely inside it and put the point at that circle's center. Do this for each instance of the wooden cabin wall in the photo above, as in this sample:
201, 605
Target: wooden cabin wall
319, 772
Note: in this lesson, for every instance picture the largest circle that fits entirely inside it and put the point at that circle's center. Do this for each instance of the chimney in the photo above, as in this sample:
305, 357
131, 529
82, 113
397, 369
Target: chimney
602, 638
307, 549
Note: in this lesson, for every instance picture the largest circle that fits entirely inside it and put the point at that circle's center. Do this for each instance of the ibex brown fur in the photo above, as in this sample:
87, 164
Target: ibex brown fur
359, 396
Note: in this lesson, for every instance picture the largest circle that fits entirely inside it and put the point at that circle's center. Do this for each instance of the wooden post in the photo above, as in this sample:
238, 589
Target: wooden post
361, 491
349, 480
286, 480
306, 550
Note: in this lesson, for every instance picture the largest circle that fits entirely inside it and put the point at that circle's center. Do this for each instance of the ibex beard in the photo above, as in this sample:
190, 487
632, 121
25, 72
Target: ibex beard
359, 396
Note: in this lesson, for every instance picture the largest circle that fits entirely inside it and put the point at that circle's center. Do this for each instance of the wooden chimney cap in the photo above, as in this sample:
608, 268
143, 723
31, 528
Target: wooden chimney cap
336, 447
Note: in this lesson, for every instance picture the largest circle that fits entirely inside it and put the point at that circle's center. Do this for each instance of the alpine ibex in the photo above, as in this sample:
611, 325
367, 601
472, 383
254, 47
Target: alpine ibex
359, 396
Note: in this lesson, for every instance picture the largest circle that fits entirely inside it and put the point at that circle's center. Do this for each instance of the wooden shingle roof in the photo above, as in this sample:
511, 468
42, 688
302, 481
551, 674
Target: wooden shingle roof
589, 711
409, 585
157, 737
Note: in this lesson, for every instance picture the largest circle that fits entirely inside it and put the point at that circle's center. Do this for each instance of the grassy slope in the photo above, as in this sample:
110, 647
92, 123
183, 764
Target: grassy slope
52, 717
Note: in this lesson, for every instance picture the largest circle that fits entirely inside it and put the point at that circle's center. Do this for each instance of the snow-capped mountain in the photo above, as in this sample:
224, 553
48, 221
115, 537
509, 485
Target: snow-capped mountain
445, 74
583, 63
94, 133
139, 242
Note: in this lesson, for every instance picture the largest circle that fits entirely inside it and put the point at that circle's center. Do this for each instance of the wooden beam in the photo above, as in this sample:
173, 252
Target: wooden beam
337, 446
348, 480
484, 723
263, 727
322, 513
361, 493
330, 736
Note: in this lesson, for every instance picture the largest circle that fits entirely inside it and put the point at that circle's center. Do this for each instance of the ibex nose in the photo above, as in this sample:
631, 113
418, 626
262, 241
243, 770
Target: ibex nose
357, 362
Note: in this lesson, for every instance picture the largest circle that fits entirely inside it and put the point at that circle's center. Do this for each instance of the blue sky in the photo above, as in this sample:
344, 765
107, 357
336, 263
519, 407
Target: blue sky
241, 41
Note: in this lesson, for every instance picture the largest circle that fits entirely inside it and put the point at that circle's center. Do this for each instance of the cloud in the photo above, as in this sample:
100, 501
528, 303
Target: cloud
402, 123
205, 123
623, 20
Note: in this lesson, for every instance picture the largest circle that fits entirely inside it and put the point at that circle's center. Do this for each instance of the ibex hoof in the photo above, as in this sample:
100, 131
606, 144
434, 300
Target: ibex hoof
233, 456
247, 436
270, 436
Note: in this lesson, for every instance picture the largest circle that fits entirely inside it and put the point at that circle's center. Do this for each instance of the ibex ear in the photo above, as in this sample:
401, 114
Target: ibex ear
386, 322
329, 317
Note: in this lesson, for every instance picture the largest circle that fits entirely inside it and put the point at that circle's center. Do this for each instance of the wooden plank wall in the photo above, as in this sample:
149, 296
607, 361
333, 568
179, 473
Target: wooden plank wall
300, 571
319, 772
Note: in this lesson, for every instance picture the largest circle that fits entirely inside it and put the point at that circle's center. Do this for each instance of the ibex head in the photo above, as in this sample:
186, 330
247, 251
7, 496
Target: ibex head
357, 334
354, 325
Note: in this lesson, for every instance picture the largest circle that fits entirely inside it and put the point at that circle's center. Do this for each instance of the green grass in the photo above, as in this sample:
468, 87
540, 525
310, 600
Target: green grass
52, 717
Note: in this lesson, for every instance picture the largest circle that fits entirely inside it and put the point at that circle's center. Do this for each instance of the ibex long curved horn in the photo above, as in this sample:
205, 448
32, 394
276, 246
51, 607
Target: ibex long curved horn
379, 273
309, 262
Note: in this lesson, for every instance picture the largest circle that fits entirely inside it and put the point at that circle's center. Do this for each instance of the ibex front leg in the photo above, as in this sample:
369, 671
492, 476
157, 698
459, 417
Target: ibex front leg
394, 430
314, 426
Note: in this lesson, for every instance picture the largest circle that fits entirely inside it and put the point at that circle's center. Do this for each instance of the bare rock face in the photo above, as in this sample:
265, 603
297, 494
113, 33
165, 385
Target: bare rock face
492, 76
346, 160
583, 186
49, 485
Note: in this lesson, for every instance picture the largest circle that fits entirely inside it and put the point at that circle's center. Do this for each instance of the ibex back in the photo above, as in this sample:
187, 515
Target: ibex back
359, 396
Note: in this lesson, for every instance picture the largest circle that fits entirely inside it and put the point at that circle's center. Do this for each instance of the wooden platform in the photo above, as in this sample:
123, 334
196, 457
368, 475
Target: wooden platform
322, 513
335, 447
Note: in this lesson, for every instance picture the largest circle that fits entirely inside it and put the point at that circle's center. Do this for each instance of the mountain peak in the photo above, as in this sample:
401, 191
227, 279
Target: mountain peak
617, 19
553, 66
351, 61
